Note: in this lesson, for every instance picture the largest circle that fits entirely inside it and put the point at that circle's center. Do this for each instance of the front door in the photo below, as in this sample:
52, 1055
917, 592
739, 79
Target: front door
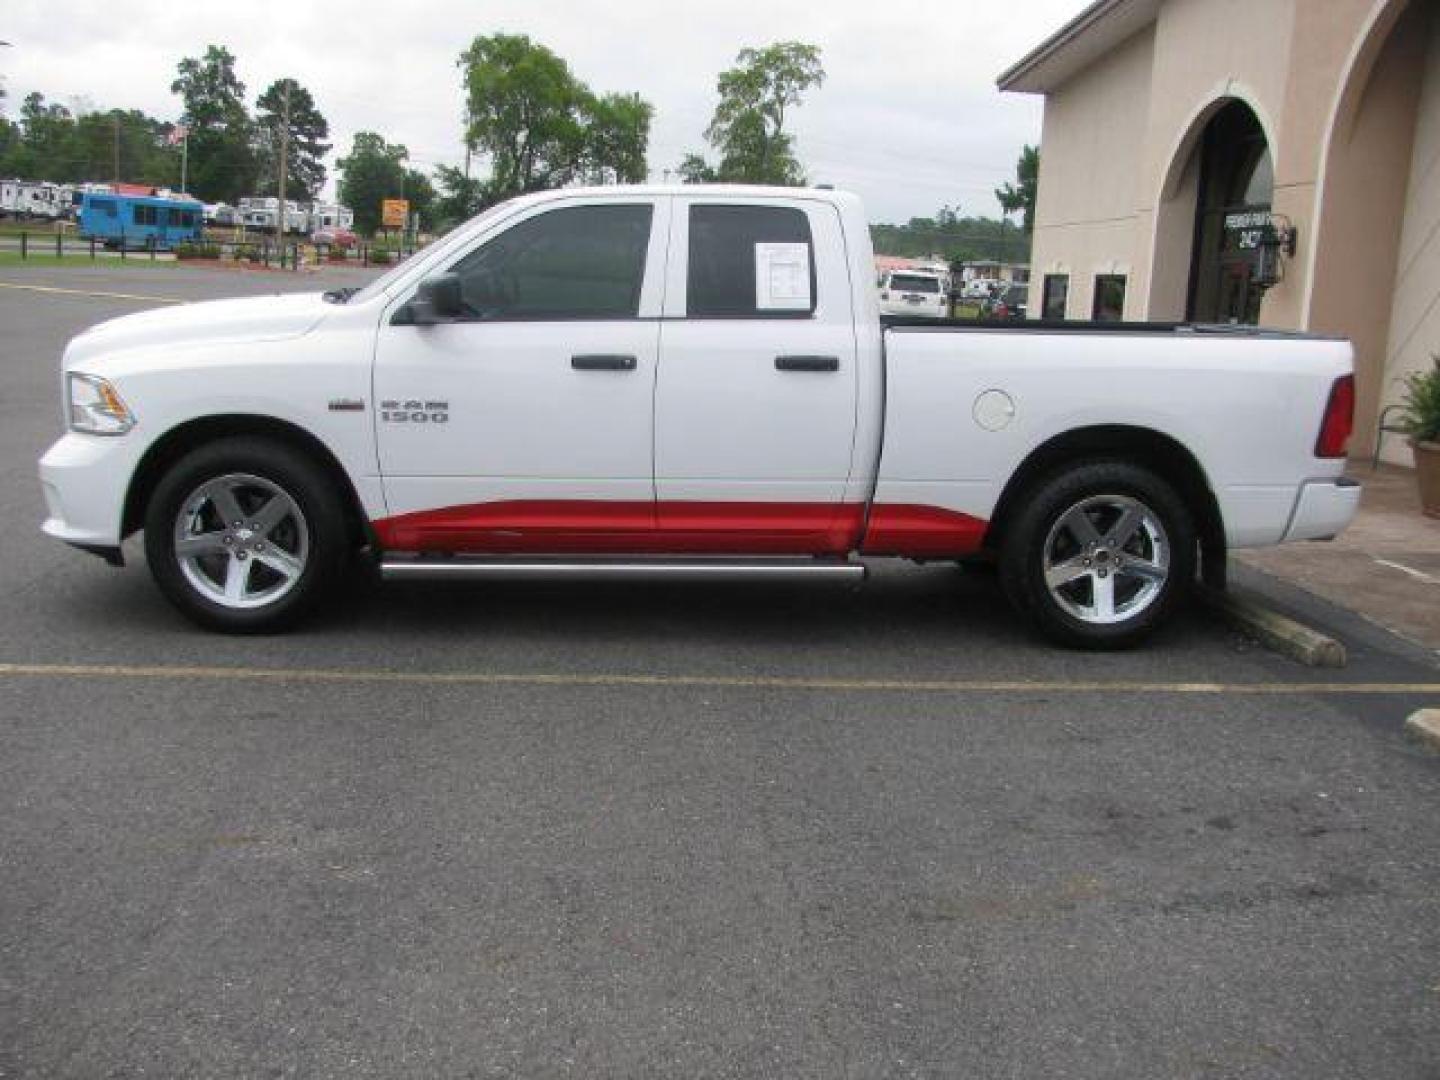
527, 425
755, 401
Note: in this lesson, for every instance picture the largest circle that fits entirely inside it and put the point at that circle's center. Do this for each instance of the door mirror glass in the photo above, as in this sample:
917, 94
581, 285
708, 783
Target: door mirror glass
437, 300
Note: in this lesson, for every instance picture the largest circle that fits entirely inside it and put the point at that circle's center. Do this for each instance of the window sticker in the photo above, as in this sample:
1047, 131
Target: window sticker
782, 277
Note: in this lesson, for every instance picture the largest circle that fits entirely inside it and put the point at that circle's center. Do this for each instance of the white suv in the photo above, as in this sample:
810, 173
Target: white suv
915, 292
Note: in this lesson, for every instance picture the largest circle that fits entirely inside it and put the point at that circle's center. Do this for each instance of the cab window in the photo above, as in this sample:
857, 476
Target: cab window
721, 276
583, 262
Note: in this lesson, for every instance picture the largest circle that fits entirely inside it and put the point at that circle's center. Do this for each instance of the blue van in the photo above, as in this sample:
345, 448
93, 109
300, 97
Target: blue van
141, 222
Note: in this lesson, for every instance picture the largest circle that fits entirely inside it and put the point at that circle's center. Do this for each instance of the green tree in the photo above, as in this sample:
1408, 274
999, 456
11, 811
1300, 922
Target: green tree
953, 237
308, 130
51, 143
1020, 196
540, 126
616, 139
421, 194
694, 169
458, 198
373, 171
144, 157
748, 128
223, 163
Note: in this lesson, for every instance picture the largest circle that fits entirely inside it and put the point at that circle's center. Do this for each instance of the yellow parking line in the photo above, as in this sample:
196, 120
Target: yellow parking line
758, 682
87, 292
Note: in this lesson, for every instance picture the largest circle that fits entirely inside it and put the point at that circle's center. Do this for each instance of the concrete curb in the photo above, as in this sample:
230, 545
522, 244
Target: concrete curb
1277, 631
1425, 725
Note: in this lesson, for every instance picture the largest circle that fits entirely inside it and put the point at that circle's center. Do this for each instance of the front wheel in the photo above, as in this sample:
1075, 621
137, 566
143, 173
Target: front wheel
1099, 554
244, 535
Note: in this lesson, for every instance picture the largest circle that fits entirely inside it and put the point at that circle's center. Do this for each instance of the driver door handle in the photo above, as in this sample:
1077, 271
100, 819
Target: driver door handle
807, 363
603, 362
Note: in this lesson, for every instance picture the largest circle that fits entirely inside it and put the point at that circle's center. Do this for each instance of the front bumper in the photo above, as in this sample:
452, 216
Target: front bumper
1323, 509
85, 478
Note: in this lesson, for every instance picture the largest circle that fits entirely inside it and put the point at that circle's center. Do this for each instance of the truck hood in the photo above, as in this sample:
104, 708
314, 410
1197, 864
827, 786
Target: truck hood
214, 322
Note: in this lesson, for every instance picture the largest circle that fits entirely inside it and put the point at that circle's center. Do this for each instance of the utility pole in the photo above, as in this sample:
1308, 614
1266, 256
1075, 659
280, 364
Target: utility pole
115, 145
284, 150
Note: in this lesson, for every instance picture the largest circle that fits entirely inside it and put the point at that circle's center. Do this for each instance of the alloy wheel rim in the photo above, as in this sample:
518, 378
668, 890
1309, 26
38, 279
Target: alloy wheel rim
241, 541
1106, 559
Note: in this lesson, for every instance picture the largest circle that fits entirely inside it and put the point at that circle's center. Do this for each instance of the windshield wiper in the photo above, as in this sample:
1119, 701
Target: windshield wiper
340, 296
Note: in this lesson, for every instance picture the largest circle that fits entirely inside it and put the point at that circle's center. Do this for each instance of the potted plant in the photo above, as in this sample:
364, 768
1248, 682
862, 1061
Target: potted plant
1421, 420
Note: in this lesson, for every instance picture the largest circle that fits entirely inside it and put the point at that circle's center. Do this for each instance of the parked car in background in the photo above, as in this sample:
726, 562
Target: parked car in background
343, 239
1009, 304
913, 292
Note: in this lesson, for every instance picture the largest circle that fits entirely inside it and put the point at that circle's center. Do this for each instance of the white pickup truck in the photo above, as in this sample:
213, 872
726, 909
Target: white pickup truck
684, 381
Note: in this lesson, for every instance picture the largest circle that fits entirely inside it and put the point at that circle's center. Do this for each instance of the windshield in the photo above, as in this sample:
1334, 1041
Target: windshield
914, 283
384, 281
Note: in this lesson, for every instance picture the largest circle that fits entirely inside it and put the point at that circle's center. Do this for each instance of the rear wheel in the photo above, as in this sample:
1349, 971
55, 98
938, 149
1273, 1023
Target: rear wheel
1099, 554
244, 535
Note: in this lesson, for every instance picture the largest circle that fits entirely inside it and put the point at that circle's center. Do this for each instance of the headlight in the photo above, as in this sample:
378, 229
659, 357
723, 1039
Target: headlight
95, 407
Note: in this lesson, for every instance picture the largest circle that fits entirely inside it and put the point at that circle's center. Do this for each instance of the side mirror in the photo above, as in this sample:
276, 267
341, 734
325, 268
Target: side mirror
437, 300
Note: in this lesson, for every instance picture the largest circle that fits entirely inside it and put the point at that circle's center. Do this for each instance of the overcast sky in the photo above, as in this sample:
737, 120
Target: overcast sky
908, 116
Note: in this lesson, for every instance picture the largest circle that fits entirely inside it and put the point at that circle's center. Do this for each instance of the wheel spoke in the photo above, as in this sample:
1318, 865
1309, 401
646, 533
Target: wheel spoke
271, 514
1081, 527
1104, 596
282, 562
1064, 573
1124, 528
1148, 571
237, 579
226, 505
191, 547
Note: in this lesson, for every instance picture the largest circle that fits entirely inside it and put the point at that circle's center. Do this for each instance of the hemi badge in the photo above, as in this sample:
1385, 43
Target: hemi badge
347, 405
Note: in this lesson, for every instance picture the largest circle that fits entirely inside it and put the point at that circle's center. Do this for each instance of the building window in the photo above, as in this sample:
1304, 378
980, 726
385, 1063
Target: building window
1109, 298
1057, 292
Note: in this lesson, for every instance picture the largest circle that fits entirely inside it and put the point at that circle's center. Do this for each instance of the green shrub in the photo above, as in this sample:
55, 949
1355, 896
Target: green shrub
380, 256
197, 250
1421, 403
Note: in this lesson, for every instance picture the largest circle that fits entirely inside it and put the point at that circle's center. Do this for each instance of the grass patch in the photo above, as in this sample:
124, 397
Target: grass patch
12, 259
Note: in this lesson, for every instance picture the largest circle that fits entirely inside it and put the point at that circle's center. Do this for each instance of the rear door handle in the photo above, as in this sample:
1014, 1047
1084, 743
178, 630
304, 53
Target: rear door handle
603, 362
807, 363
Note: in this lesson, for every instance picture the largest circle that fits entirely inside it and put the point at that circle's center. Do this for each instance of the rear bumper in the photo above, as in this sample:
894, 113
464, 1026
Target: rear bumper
1323, 509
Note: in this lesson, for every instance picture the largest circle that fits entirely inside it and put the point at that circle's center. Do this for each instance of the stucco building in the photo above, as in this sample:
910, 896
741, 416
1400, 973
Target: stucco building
1183, 142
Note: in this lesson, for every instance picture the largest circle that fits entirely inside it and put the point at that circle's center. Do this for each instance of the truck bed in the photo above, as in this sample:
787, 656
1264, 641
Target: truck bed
1089, 326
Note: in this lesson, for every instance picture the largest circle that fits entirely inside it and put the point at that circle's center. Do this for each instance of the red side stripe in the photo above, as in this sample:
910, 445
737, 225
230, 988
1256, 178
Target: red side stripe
570, 526
904, 529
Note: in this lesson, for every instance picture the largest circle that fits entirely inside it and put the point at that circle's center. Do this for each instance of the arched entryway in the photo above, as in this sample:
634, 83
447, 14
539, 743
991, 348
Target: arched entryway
1212, 208
1236, 182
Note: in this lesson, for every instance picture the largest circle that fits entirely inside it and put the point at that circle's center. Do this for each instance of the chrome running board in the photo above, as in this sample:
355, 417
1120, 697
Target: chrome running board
668, 569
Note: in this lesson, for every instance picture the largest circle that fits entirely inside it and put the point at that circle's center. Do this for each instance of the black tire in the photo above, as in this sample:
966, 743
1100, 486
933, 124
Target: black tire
1099, 497
290, 567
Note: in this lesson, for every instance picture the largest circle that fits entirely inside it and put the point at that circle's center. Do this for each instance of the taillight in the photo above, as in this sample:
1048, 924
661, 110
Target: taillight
1339, 419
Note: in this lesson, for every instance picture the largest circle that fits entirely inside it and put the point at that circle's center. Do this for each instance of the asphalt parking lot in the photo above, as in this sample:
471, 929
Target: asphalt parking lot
589, 830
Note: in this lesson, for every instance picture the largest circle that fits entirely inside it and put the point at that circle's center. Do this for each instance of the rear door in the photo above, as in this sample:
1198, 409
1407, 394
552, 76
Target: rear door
527, 425
755, 398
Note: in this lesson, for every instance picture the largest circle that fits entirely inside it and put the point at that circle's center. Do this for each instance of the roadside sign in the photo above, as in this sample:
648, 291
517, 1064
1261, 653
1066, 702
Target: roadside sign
394, 213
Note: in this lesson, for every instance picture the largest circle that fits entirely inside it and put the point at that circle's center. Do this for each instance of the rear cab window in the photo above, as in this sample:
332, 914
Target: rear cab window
749, 261
751, 258
918, 283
